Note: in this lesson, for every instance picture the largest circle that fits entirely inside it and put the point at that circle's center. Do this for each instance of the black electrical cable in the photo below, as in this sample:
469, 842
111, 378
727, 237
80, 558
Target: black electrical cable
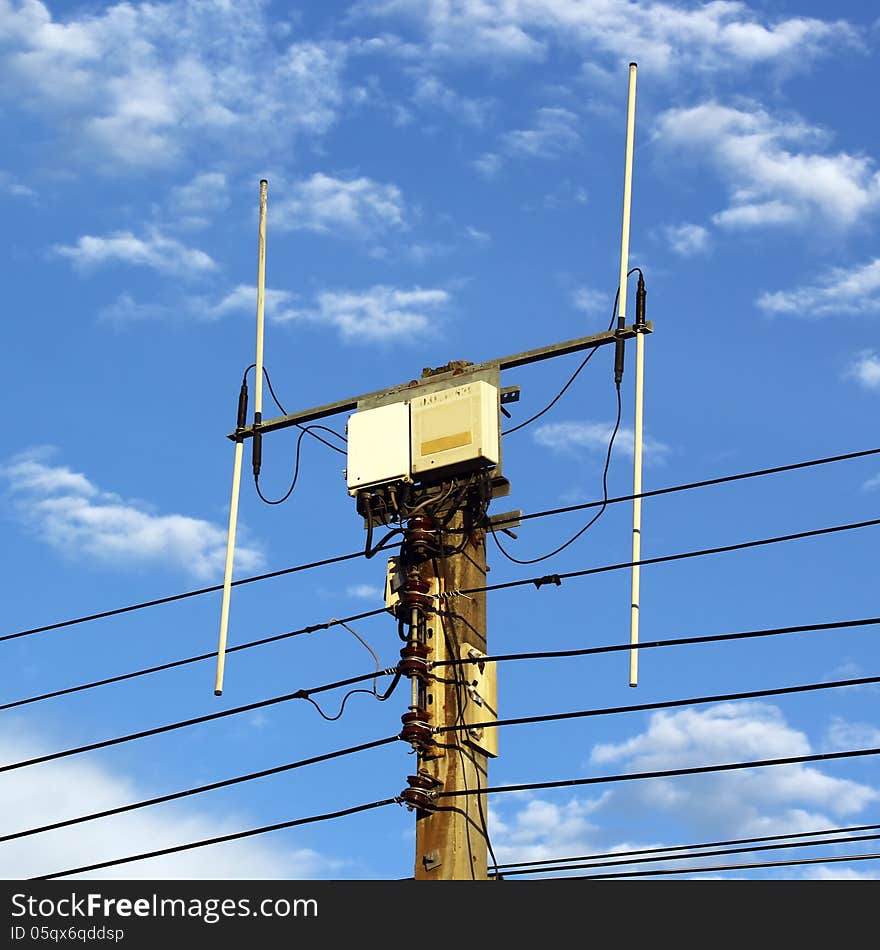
235, 836
590, 523
705, 483
789, 836
200, 789
836, 859
556, 579
197, 720
575, 374
666, 704
653, 644
668, 773
692, 856
173, 664
278, 501
311, 428
357, 554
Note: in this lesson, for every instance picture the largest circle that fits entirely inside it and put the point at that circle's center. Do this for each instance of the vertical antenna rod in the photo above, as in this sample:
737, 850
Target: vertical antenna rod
239, 444
640, 365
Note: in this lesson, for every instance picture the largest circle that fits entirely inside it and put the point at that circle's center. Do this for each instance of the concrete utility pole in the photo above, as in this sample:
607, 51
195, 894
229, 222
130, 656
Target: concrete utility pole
451, 843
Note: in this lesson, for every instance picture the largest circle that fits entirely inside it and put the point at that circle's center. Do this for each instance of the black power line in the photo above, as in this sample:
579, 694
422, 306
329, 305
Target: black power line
200, 789
668, 773
727, 867
690, 856
652, 644
210, 717
358, 554
191, 659
704, 483
183, 596
666, 704
686, 847
235, 836
556, 579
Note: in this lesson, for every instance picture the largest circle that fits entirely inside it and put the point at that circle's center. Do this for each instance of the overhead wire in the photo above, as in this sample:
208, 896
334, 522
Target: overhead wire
664, 773
173, 664
199, 789
687, 856
235, 836
828, 859
664, 704
653, 644
788, 836
196, 720
358, 554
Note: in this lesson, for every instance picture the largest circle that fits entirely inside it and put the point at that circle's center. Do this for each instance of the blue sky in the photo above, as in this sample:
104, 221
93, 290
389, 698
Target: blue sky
445, 182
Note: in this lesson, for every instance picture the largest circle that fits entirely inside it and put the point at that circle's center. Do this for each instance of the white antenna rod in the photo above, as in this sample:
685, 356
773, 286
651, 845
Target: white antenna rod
261, 294
627, 195
640, 370
239, 446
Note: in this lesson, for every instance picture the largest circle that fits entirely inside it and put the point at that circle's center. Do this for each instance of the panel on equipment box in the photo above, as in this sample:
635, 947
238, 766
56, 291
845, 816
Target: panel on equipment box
455, 429
378, 446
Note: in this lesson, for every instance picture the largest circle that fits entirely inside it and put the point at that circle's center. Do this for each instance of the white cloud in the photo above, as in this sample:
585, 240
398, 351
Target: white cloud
71, 514
594, 436
542, 829
686, 240
364, 592
778, 800
707, 37
865, 369
243, 299
139, 83
54, 791
326, 205
732, 732
430, 91
377, 314
771, 183
552, 133
871, 483
488, 164
840, 290
843, 734
589, 300
156, 251
193, 205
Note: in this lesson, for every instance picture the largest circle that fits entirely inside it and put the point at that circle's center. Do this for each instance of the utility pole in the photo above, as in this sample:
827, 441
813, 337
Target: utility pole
451, 844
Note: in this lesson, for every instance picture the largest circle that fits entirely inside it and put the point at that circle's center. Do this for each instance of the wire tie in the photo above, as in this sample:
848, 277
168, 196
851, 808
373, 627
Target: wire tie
547, 579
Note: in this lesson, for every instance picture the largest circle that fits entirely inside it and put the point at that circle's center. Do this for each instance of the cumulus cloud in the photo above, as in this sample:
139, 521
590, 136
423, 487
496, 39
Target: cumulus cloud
707, 37
687, 240
840, 290
139, 83
326, 205
772, 167
594, 436
54, 791
156, 251
731, 732
432, 93
67, 511
589, 299
378, 314
769, 801
552, 132
865, 369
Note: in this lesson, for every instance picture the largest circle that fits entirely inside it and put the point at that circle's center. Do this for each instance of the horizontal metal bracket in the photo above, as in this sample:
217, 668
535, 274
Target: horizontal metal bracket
507, 362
